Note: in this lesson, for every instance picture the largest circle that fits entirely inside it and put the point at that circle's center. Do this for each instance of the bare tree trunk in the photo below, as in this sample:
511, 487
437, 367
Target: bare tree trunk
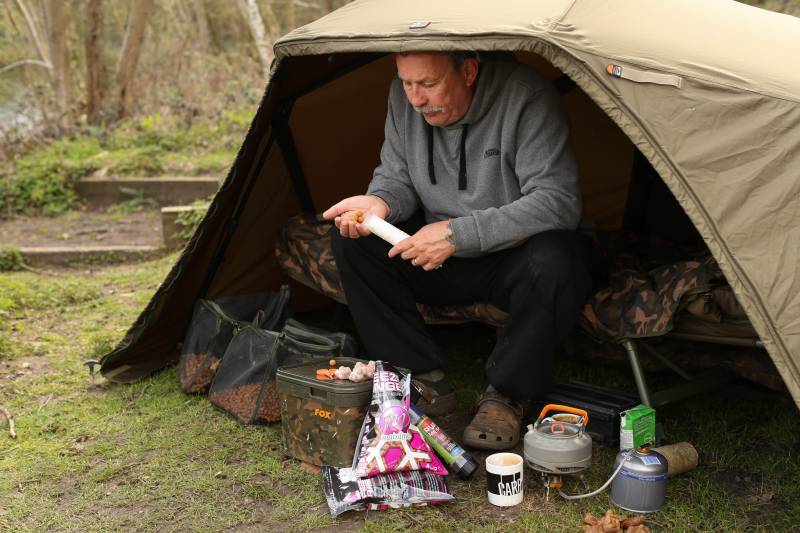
290, 18
263, 41
129, 57
272, 23
201, 19
95, 73
59, 57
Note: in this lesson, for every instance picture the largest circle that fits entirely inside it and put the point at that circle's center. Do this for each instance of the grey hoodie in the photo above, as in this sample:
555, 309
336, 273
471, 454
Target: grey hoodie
515, 176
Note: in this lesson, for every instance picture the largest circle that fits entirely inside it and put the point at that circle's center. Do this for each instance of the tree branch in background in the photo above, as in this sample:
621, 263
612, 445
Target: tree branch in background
316, 6
95, 72
25, 62
263, 42
33, 33
56, 23
129, 57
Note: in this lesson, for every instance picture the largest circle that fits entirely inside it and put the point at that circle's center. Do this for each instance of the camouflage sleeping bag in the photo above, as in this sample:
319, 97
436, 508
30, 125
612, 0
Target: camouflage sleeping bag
304, 253
650, 281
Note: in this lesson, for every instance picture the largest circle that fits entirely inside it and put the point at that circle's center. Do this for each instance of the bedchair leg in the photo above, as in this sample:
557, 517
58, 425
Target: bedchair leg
692, 385
638, 374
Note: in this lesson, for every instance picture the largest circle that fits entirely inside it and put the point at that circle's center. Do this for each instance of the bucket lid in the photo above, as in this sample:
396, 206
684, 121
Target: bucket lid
305, 374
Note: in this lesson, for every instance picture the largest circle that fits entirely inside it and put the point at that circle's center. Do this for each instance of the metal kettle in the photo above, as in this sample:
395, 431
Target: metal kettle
559, 444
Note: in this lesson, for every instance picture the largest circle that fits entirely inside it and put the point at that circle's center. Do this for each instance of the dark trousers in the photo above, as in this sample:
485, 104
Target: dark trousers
542, 284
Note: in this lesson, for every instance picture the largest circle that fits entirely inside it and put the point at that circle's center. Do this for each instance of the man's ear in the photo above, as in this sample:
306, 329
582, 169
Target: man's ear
469, 69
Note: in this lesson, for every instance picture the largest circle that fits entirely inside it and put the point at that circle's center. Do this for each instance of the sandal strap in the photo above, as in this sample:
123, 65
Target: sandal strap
504, 401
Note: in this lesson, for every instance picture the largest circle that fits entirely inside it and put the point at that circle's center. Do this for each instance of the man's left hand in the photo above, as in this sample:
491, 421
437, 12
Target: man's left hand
428, 248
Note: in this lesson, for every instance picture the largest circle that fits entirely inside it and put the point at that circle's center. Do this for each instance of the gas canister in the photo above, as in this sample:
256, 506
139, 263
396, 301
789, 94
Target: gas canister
641, 484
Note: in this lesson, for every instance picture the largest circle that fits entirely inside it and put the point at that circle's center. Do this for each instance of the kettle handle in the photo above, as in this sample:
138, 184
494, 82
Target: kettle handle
564, 409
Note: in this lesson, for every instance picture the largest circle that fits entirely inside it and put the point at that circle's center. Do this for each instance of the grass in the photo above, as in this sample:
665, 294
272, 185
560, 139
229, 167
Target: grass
97, 456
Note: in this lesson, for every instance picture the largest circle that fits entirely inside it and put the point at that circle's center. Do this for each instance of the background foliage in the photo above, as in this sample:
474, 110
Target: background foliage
198, 81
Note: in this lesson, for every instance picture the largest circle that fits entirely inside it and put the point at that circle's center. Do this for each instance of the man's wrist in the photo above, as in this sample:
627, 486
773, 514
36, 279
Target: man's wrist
449, 237
385, 204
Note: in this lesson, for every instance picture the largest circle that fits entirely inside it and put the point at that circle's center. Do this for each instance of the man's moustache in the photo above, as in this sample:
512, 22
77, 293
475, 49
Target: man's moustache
429, 109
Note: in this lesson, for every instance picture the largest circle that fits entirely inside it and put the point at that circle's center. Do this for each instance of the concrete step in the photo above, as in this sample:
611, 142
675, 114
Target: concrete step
165, 190
169, 226
66, 255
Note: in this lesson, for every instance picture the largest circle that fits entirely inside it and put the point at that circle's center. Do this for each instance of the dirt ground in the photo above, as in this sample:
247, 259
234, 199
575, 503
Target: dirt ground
84, 228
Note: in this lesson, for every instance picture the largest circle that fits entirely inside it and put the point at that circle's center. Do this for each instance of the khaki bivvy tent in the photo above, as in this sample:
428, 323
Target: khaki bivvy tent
708, 91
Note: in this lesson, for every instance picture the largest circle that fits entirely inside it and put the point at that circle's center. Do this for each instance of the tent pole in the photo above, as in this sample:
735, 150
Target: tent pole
219, 255
283, 134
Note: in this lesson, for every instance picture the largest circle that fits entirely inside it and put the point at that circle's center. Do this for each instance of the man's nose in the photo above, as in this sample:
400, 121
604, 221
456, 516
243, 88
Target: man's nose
416, 97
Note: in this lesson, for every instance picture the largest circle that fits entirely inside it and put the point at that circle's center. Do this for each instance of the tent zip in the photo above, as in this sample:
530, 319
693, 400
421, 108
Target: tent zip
219, 255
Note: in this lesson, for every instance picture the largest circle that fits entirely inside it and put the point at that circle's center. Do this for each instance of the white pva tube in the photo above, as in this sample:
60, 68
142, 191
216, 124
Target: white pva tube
383, 229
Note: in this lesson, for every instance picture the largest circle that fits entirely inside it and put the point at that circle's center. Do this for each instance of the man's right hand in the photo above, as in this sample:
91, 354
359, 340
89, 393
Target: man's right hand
345, 212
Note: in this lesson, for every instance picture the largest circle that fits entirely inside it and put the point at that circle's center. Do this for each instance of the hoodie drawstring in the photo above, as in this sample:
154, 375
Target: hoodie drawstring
462, 166
431, 170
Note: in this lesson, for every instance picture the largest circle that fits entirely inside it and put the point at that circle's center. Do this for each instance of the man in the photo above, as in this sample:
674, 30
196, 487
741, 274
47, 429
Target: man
481, 149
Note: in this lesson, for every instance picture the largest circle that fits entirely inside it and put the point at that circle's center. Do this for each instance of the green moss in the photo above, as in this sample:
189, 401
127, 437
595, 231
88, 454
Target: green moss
10, 259
187, 221
42, 181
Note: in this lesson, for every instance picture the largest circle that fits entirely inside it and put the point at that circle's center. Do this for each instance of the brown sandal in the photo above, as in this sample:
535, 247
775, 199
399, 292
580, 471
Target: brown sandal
496, 425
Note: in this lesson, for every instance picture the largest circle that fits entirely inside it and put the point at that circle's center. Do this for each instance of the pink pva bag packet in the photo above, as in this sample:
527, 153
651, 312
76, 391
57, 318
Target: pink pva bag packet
344, 492
388, 441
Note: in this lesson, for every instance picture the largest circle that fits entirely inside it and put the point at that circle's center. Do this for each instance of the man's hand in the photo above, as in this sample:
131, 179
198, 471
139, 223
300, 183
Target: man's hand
428, 248
345, 212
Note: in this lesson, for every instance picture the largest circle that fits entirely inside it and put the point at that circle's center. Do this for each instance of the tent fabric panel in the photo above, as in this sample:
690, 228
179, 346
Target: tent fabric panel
721, 41
638, 124
589, 73
338, 130
671, 36
151, 342
738, 183
605, 158
317, 70
379, 19
249, 264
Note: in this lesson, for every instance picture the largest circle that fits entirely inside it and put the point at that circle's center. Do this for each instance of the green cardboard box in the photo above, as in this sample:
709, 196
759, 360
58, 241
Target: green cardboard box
637, 427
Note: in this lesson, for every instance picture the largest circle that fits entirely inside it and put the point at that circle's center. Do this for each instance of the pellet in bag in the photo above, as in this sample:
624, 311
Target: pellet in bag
345, 492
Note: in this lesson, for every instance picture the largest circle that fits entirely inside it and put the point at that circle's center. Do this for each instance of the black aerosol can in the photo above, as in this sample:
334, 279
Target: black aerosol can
457, 459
